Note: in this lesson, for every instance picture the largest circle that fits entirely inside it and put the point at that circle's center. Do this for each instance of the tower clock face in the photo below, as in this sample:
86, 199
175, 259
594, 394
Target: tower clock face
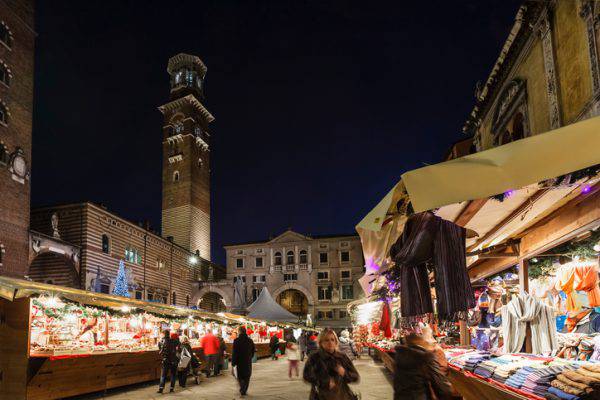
19, 165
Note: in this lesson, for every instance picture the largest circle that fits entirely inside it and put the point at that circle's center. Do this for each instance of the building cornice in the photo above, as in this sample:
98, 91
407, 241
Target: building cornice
190, 99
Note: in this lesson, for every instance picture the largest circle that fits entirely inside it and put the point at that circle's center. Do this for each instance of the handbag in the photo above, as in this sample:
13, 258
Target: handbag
185, 359
254, 358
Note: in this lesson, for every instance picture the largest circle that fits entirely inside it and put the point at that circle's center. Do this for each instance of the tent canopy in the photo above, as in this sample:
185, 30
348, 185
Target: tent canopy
264, 307
460, 190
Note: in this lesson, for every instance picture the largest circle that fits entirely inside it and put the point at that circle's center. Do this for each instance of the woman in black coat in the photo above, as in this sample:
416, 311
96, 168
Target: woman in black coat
241, 359
329, 371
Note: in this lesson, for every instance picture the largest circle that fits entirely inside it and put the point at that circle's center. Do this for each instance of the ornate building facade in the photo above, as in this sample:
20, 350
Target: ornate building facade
17, 39
547, 74
316, 275
186, 161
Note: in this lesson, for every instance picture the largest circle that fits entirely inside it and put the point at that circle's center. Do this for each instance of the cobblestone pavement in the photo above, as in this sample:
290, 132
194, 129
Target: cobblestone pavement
269, 381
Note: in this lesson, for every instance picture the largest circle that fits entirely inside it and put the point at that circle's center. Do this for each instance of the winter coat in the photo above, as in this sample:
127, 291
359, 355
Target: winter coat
346, 347
302, 342
292, 352
274, 343
222, 350
168, 349
311, 345
210, 344
241, 357
321, 367
418, 375
189, 349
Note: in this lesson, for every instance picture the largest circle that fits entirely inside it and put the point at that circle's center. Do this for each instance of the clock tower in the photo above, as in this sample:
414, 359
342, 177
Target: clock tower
186, 157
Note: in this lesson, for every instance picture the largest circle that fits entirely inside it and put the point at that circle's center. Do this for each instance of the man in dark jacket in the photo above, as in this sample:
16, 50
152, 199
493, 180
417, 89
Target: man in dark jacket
274, 346
418, 375
241, 359
168, 348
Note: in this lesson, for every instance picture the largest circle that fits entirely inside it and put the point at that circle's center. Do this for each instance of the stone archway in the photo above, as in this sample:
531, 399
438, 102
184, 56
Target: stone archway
294, 301
295, 286
53, 260
213, 289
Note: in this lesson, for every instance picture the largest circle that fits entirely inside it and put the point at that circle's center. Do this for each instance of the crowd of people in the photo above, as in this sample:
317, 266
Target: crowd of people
421, 367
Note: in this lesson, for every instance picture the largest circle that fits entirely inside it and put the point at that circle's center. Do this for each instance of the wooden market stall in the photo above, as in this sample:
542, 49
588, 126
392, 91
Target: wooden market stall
120, 345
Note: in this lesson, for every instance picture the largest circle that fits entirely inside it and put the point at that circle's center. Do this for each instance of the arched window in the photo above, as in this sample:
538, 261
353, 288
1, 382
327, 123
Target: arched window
278, 258
3, 154
518, 129
303, 257
105, 244
3, 113
176, 176
174, 298
290, 257
5, 35
4, 74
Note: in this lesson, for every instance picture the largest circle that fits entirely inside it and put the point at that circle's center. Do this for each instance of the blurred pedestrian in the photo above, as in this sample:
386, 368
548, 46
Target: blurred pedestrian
241, 359
311, 344
220, 354
167, 348
293, 355
185, 360
210, 346
302, 345
274, 346
329, 371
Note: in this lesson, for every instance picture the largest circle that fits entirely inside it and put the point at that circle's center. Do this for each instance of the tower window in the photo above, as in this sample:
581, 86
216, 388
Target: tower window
178, 127
3, 154
105, 244
176, 176
189, 77
4, 74
5, 35
3, 113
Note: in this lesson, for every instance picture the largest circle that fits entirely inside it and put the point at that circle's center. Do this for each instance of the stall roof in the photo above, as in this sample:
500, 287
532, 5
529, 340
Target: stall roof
11, 289
460, 190
264, 307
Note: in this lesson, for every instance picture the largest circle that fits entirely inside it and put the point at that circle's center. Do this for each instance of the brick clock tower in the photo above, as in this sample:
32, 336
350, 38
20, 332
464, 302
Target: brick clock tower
186, 157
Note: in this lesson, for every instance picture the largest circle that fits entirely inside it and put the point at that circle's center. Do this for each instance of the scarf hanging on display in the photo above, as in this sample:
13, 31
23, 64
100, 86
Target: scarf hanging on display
428, 238
525, 309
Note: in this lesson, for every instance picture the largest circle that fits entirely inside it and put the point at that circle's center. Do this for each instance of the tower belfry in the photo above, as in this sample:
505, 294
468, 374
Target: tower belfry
186, 157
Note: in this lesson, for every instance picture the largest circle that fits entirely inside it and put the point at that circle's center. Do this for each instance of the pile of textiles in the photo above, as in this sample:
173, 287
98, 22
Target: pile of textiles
486, 368
582, 383
467, 360
518, 378
538, 382
473, 361
578, 346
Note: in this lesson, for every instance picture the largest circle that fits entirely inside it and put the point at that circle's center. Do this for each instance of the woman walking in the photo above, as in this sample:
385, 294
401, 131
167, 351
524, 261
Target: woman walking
328, 371
293, 355
274, 346
302, 345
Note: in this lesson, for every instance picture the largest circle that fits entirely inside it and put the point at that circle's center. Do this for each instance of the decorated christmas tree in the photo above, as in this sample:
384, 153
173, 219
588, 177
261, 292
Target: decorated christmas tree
122, 283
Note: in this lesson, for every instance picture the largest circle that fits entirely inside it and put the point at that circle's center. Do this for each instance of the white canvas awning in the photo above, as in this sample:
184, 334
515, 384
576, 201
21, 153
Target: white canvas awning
265, 308
460, 190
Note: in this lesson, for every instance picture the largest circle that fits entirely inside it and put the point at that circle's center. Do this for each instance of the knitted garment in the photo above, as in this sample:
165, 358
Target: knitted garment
525, 309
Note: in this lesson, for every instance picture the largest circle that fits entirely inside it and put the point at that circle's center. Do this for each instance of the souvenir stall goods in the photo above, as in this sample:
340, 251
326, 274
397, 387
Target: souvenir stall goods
527, 376
61, 340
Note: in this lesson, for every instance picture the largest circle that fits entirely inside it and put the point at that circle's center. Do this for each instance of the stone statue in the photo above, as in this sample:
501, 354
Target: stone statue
54, 221
239, 298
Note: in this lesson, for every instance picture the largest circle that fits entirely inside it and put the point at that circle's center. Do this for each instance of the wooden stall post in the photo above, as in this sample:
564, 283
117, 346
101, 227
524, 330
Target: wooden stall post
464, 333
524, 288
14, 348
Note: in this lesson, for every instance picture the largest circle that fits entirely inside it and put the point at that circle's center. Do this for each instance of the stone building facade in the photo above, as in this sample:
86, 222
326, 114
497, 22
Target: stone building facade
17, 39
186, 157
316, 275
547, 74
160, 269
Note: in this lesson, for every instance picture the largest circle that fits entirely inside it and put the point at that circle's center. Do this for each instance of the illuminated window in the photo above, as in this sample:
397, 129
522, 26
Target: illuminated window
132, 255
5, 35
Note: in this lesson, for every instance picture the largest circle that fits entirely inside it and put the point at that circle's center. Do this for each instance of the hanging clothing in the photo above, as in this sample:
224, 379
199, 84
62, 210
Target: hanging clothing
385, 324
525, 309
586, 279
429, 239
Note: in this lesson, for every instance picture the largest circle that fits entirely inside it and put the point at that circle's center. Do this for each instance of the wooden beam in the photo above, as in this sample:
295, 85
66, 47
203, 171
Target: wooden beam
484, 268
470, 210
524, 206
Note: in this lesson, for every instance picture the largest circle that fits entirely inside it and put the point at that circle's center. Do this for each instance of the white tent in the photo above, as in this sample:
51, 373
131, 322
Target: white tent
264, 307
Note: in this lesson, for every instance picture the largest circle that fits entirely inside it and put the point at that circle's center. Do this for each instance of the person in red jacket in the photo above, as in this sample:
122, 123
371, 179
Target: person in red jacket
210, 346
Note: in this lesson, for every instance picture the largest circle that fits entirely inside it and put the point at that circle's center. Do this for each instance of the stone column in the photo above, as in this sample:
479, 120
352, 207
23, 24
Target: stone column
545, 31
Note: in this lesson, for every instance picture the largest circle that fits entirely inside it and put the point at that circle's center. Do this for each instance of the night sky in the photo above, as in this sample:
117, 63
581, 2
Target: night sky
320, 106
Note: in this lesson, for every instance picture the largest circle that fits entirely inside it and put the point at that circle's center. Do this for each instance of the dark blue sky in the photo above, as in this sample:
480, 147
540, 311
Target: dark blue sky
320, 106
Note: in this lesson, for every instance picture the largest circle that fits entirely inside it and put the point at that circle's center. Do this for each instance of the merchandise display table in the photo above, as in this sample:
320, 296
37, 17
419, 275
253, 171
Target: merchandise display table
473, 387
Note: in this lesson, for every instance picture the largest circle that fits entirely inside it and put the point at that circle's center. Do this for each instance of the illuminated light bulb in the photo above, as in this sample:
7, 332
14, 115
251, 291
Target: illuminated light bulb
52, 302
125, 309
586, 189
71, 318
193, 260
534, 260
597, 247
134, 322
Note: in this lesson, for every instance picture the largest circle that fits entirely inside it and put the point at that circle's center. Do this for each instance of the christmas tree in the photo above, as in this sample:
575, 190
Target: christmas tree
122, 283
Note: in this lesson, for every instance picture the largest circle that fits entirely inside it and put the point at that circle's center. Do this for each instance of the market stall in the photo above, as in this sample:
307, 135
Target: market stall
58, 342
505, 209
